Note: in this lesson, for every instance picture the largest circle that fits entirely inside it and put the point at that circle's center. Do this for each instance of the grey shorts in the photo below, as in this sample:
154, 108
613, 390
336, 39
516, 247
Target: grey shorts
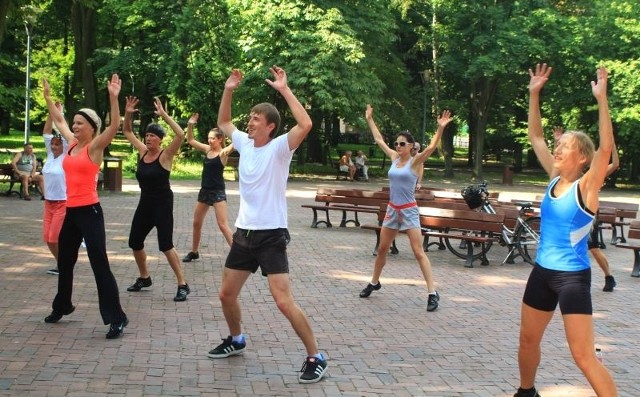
264, 249
211, 196
404, 217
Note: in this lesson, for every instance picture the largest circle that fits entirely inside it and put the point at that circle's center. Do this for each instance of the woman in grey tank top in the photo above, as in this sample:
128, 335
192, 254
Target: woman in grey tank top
402, 210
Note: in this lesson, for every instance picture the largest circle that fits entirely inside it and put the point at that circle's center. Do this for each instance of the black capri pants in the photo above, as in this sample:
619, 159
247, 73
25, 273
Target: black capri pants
153, 211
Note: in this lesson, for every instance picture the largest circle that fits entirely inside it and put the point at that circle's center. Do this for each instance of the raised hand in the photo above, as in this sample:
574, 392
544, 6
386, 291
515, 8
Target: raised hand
279, 78
368, 114
131, 104
599, 87
159, 108
193, 120
46, 90
234, 80
444, 119
114, 85
539, 77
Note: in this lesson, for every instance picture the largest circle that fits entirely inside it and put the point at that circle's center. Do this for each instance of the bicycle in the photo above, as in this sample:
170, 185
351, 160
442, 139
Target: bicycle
522, 239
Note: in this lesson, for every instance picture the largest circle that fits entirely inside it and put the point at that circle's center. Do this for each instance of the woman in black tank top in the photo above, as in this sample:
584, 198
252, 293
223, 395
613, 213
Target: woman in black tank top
212, 192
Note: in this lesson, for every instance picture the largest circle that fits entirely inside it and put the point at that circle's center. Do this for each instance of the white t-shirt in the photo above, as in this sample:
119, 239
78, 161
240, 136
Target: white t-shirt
55, 187
263, 173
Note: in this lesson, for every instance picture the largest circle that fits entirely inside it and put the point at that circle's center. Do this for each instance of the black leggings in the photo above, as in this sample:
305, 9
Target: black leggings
87, 222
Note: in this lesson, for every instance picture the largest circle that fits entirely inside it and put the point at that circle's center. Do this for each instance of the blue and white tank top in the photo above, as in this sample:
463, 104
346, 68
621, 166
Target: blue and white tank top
402, 183
565, 225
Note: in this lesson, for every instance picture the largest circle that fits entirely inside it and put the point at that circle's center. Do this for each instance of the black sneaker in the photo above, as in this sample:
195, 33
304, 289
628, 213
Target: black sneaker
117, 329
55, 315
609, 283
227, 348
191, 256
369, 289
140, 284
54, 272
181, 295
526, 393
432, 303
312, 370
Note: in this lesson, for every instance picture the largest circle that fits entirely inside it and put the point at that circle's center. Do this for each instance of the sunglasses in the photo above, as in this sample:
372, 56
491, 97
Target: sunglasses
403, 144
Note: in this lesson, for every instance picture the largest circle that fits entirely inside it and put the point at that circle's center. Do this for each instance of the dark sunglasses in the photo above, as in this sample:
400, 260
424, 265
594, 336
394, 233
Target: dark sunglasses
403, 144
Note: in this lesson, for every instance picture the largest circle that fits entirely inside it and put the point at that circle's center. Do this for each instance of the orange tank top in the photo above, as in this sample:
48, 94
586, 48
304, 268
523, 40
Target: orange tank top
81, 175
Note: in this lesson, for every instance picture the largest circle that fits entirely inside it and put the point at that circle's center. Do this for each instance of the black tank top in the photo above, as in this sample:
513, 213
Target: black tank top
212, 170
152, 178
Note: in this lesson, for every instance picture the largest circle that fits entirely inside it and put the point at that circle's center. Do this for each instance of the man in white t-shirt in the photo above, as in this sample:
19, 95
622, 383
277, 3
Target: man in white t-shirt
261, 238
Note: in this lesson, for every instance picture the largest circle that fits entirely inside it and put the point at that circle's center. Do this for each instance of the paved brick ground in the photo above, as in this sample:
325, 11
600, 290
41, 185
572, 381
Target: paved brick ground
386, 345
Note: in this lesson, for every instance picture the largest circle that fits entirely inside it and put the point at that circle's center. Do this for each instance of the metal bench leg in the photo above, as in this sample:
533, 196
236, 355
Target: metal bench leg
614, 235
375, 250
469, 260
394, 249
636, 264
621, 238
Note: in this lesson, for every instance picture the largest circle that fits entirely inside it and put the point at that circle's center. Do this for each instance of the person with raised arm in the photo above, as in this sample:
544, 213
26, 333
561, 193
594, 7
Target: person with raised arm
261, 237
212, 187
402, 210
562, 272
155, 208
55, 187
84, 218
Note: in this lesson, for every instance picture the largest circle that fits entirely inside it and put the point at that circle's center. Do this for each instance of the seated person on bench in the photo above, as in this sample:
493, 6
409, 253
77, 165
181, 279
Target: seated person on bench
25, 166
346, 165
361, 167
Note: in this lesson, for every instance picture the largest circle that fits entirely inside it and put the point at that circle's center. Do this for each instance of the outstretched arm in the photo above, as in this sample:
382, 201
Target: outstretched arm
443, 121
536, 134
224, 112
299, 132
377, 136
178, 137
56, 113
101, 141
191, 140
615, 160
594, 177
127, 129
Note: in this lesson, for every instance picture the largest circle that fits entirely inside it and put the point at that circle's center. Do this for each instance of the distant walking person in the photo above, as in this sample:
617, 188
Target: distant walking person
84, 218
155, 208
261, 238
402, 210
562, 272
55, 188
212, 188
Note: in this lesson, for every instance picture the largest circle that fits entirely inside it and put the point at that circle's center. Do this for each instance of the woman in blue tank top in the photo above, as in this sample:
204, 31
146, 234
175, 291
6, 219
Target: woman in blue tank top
402, 210
562, 274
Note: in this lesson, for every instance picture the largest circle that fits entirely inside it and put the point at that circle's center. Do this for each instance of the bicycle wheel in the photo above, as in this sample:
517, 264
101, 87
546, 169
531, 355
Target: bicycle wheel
527, 238
459, 248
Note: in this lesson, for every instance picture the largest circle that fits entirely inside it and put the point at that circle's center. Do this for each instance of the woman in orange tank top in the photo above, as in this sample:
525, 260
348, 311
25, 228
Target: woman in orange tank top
84, 218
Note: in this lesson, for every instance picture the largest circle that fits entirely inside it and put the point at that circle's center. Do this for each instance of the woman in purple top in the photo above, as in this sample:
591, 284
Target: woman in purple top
402, 210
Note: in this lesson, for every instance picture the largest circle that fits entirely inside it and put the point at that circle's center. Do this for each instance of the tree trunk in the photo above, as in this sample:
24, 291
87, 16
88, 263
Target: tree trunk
448, 149
83, 22
4, 11
483, 92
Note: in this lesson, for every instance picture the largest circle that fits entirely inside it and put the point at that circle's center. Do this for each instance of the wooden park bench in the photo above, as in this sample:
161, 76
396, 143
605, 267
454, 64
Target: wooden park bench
634, 233
623, 211
351, 201
8, 176
467, 225
347, 201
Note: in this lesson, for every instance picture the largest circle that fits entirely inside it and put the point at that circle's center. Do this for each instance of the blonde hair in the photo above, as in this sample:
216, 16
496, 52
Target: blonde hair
585, 145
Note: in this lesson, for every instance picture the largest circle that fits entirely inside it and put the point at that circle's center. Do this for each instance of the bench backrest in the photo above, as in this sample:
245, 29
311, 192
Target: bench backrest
6, 170
373, 198
439, 218
607, 214
623, 210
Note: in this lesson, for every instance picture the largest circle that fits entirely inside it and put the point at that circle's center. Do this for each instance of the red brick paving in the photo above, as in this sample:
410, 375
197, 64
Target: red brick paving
385, 345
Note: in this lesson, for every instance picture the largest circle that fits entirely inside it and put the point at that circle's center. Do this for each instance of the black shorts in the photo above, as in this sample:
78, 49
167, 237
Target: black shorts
572, 290
211, 196
594, 237
266, 249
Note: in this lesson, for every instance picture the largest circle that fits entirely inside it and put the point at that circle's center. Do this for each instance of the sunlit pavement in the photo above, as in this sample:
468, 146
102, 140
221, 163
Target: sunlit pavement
385, 345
